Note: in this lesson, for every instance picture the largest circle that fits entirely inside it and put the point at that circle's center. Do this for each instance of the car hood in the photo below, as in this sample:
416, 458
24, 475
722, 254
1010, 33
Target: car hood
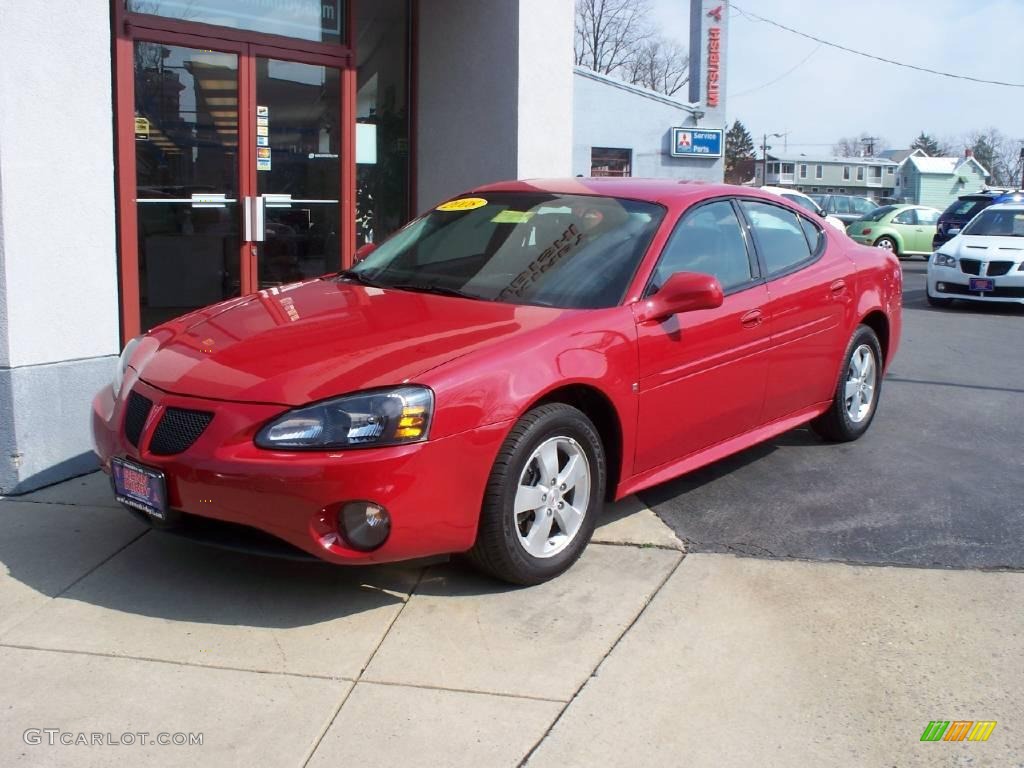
309, 341
987, 248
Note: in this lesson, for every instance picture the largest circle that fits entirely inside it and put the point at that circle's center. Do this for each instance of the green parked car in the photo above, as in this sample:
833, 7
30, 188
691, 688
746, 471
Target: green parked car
906, 230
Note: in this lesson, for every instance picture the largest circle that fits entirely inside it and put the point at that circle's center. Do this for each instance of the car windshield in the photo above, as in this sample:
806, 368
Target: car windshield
567, 251
965, 209
880, 213
804, 202
997, 224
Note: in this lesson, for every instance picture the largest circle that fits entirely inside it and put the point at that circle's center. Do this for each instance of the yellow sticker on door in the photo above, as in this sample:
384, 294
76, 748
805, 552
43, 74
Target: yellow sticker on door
463, 204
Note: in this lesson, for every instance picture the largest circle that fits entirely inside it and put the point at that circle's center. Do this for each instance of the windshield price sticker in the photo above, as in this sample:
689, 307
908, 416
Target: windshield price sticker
463, 204
513, 217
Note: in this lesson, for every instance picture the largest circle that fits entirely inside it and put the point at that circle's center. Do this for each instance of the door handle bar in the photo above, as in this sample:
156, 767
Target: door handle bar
255, 220
752, 319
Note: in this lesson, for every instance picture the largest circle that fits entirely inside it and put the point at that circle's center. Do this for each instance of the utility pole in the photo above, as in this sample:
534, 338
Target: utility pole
764, 160
869, 145
764, 154
1022, 167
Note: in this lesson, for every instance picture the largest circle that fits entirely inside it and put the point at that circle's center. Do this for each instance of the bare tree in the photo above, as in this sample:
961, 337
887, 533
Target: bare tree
858, 146
609, 32
659, 64
614, 37
999, 154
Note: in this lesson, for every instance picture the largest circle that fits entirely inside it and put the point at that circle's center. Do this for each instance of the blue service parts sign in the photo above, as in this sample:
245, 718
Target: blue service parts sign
697, 142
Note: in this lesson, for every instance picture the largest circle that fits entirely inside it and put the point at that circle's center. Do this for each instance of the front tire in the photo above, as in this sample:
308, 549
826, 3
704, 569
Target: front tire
543, 498
937, 301
856, 396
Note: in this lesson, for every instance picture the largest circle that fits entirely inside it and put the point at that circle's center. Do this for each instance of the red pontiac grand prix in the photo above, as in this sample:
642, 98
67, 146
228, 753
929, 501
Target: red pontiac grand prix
485, 379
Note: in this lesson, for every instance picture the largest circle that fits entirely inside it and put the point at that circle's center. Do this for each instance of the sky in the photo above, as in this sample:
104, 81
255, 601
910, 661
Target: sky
834, 94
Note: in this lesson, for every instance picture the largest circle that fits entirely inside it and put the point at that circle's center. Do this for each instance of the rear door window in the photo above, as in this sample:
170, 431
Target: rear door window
779, 237
862, 205
905, 217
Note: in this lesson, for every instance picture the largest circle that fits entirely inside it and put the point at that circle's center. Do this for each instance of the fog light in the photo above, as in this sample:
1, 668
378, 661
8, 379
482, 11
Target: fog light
364, 525
940, 287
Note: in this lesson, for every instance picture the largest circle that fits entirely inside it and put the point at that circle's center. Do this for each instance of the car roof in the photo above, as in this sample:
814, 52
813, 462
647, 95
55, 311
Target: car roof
1006, 207
783, 191
662, 191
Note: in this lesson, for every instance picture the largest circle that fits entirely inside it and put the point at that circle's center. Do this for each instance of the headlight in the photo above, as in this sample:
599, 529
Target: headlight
943, 260
367, 419
122, 363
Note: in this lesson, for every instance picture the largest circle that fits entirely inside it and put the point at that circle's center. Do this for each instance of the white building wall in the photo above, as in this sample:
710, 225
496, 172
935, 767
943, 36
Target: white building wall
545, 114
495, 93
58, 268
623, 117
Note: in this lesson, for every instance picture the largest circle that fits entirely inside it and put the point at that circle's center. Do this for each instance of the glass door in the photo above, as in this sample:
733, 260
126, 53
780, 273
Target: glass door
187, 177
296, 216
239, 165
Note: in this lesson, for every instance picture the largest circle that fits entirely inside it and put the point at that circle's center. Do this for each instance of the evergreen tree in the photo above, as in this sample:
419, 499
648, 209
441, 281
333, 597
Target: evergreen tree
930, 146
985, 153
739, 145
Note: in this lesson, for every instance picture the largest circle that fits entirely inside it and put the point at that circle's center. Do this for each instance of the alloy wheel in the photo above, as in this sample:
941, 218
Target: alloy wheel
861, 382
552, 497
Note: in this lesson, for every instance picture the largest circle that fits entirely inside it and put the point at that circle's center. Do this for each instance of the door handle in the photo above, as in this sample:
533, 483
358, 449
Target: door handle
752, 319
838, 288
255, 220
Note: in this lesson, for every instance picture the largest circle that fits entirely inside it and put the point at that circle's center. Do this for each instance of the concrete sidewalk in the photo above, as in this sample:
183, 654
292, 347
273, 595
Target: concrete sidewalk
638, 656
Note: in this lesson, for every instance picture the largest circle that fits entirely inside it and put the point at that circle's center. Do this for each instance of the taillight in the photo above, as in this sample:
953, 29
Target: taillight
866, 231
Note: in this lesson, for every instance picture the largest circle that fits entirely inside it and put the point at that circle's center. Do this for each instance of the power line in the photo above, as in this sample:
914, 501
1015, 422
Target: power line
754, 17
788, 72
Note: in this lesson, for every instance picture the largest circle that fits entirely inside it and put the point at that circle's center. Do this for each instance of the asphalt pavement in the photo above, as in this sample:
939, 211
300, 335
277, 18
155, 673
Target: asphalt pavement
937, 481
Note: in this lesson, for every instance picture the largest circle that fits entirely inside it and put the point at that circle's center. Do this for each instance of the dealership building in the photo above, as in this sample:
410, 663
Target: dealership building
160, 155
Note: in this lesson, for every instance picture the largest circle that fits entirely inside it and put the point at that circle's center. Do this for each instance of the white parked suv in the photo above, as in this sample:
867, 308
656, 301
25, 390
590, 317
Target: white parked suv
983, 262
805, 202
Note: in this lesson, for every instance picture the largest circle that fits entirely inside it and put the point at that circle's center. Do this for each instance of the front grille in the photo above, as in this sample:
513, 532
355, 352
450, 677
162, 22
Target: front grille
998, 293
997, 268
177, 430
970, 266
136, 412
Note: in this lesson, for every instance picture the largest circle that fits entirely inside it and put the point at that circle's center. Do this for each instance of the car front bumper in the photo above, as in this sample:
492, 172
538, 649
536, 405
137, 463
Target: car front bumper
433, 491
952, 283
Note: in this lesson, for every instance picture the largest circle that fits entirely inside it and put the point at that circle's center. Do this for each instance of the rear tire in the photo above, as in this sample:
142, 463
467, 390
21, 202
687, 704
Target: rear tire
524, 544
855, 401
886, 243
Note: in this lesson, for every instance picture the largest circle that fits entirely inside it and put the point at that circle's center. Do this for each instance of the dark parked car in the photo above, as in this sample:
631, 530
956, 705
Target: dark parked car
846, 208
966, 207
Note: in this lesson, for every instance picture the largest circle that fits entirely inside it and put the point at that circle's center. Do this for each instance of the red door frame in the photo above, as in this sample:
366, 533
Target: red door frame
129, 27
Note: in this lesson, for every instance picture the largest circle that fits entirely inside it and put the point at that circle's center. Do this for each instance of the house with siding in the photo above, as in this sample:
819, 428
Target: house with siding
938, 181
873, 177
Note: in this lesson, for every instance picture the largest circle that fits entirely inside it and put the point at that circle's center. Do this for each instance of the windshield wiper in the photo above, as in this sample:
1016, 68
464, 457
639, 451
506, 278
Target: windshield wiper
359, 277
438, 289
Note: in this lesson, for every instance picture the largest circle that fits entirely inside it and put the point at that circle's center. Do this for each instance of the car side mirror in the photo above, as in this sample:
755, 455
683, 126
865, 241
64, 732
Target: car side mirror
363, 251
953, 232
682, 292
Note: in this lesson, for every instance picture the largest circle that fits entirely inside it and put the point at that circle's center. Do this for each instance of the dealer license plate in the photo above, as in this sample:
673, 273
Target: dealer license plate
140, 488
982, 284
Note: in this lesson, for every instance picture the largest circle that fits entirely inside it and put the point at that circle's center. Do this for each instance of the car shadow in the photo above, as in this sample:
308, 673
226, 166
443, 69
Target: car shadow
697, 479
53, 549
